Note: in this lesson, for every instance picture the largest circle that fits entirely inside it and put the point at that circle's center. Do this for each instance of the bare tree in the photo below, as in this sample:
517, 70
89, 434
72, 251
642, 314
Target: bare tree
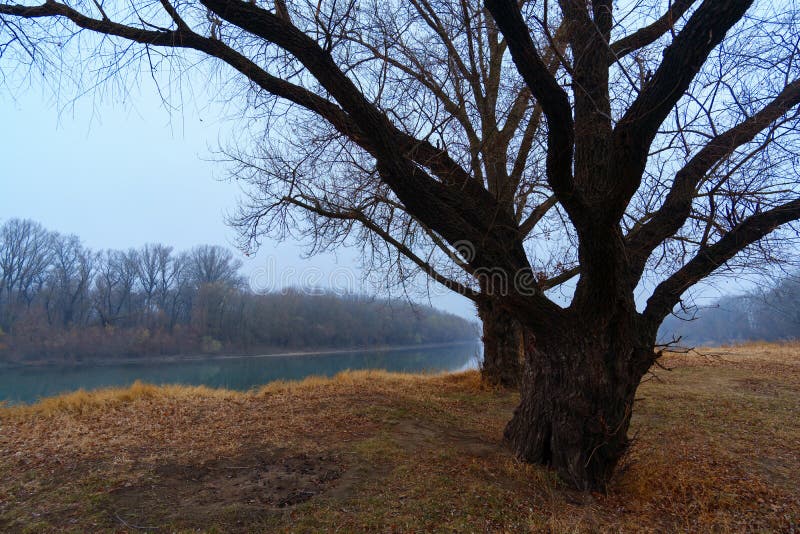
215, 277
441, 70
165, 280
117, 275
155, 276
68, 281
148, 270
212, 264
25, 253
649, 145
175, 289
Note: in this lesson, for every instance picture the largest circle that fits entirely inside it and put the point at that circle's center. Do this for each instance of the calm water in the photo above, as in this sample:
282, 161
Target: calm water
26, 384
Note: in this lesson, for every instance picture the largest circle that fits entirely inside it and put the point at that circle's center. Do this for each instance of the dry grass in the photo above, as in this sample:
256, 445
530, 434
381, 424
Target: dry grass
717, 441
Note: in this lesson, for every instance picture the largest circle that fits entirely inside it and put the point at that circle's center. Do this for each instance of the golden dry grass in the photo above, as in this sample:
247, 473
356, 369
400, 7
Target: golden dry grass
716, 449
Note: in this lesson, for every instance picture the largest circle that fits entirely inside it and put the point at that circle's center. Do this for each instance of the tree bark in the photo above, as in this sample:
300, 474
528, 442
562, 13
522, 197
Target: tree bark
503, 349
576, 401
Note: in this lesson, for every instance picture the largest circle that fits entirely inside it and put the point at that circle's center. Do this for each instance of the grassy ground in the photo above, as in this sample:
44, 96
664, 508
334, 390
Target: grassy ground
717, 448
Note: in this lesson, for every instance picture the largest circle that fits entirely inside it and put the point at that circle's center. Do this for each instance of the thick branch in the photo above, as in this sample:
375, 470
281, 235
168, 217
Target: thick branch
649, 34
588, 38
755, 227
559, 279
682, 61
678, 204
549, 94
537, 214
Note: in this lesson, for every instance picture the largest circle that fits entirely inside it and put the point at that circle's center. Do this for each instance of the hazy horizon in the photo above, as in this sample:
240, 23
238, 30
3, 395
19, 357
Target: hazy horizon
120, 174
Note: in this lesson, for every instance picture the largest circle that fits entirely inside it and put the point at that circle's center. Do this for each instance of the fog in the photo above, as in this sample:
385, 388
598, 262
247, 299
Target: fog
123, 171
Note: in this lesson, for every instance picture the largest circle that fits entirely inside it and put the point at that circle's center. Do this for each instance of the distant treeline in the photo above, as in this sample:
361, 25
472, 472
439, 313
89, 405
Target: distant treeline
771, 314
62, 301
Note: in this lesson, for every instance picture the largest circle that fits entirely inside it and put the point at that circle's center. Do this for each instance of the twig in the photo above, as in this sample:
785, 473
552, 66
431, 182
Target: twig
133, 526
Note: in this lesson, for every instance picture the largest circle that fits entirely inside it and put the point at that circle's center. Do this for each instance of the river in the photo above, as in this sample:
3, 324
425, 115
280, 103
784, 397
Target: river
27, 384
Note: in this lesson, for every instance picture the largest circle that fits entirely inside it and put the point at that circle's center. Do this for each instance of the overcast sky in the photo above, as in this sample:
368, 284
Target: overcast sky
120, 174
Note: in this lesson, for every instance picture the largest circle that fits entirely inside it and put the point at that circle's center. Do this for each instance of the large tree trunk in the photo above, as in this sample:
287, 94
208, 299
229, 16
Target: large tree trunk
576, 401
503, 347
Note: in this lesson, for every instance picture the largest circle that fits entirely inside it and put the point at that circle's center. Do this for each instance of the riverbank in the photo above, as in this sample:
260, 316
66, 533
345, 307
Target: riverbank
264, 352
716, 449
28, 384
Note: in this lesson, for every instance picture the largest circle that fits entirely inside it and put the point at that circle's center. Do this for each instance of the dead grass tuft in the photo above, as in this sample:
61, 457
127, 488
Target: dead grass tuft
85, 402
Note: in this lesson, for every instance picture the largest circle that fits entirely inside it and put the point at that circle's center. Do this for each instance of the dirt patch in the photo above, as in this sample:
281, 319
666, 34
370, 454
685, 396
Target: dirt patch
413, 435
257, 482
779, 471
758, 386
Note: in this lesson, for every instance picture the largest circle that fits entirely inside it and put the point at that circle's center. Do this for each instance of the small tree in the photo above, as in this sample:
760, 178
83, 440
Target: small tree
211, 264
68, 283
25, 254
656, 143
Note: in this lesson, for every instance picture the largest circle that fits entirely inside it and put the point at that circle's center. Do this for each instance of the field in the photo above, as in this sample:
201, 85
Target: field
717, 448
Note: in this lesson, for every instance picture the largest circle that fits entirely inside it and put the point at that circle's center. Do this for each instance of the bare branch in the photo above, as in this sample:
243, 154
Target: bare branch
359, 216
651, 33
553, 99
537, 214
682, 61
709, 259
678, 203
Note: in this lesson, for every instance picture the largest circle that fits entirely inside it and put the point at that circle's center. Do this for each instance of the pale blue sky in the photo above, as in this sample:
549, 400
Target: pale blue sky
122, 174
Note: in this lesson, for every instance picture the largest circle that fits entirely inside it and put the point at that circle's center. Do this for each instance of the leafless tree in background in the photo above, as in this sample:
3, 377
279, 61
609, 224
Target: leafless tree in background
770, 312
116, 276
502, 148
72, 304
214, 264
68, 281
152, 272
25, 254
